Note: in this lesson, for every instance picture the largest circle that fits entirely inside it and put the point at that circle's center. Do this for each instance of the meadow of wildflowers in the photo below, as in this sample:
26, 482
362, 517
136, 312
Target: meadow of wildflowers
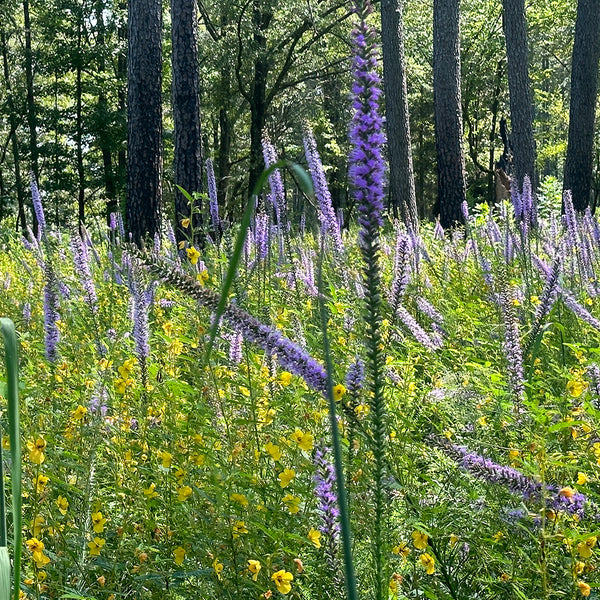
382, 414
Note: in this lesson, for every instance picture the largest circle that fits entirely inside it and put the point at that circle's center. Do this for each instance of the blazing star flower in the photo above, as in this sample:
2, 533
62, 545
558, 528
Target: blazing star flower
367, 166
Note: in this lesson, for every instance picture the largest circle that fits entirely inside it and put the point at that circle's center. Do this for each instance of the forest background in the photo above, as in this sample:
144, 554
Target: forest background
262, 65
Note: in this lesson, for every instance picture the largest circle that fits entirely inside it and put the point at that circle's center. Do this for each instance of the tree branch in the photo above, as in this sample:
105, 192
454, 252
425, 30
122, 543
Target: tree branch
212, 30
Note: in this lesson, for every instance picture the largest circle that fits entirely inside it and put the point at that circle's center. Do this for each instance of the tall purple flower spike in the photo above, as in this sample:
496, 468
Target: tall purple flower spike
367, 166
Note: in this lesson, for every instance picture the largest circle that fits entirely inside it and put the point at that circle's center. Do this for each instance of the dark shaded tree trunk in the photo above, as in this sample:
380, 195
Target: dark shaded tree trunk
79, 126
102, 118
258, 99
31, 108
519, 86
491, 183
21, 223
401, 175
447, 112
584, 90
144, 119
186, 111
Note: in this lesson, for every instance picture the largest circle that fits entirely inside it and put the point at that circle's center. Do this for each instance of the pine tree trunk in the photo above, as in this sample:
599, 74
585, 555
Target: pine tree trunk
21, 223
521, 99
584, 90
401, 175
258, 105
186, 112
447, 112
144, 119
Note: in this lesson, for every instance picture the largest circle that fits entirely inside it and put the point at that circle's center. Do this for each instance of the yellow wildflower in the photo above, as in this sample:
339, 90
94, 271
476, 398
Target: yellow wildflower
183, 493
96, 545
303, 439
420, 540
285, 477
218, 567
202, 277
63, 505
79, 413
314, 535
36, 450
185, 223
240, 499
179, 553
254, 567
338, 392
283, 581
584, 588
292, 503
428, 562
40, 482
193, 255
285, 378
582, 478
166, 459
239, 528
576, 388
98, 522
401, 549
273, 451
150, 492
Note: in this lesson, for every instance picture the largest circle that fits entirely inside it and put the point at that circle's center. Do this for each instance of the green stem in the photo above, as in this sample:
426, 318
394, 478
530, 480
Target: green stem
350, 579
12, 367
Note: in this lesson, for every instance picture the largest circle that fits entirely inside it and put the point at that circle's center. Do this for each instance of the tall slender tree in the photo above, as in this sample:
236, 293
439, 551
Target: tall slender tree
584, 92
447, 112
186, 110
144, 118
519, 86
401, 174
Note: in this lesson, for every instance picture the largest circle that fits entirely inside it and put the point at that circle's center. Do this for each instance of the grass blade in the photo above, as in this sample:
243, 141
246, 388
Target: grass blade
12, 378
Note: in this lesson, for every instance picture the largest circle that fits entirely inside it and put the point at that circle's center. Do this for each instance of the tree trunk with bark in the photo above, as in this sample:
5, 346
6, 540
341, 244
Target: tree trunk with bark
144, 119
401, 175
519, 86
21, 223
186, 112
584, 91
448, 112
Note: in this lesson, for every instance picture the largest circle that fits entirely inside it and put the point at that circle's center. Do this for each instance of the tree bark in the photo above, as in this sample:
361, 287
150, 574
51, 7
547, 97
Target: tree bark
447, 112
519, 86
144, 119
21, 223
401, 175
258, 101
31, 108
186, 112
582, 113
79, 126
103, 117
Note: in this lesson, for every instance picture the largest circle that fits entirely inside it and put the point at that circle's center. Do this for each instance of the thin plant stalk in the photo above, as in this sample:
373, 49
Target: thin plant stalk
349, 577
12, 377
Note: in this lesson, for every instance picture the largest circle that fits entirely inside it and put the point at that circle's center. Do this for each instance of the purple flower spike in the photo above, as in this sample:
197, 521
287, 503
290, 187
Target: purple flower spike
329, 221
37, 207
367, 166
275, 181
325, 491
